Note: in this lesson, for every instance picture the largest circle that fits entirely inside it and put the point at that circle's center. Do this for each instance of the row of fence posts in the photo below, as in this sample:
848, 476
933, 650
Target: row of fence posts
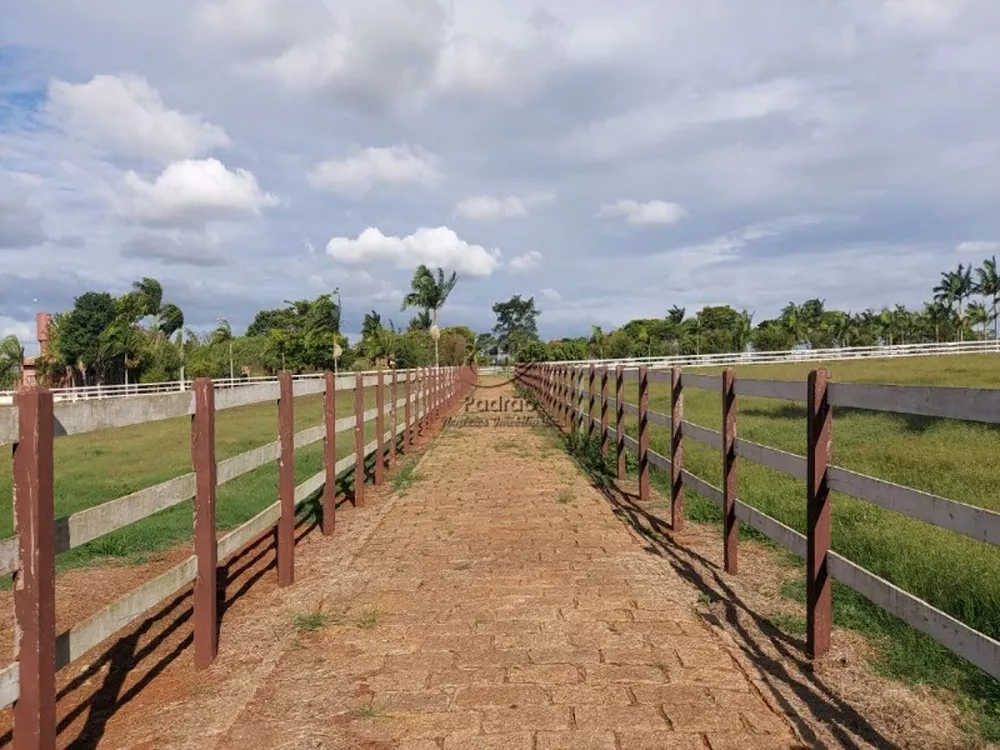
560, 389
34, 513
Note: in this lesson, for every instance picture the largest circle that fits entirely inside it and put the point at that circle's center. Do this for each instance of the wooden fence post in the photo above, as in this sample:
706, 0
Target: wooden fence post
394, 395
330, 456
580, 396
380, 430
819, 435
203, 461
35, 579
286, 481
604, 412
359, 440
592, 398
676, 449
643, 434
730, 526
407, 413
620, 419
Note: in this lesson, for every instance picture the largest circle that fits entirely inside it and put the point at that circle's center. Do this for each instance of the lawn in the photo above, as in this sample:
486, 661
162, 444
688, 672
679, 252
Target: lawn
957, 460
100, 466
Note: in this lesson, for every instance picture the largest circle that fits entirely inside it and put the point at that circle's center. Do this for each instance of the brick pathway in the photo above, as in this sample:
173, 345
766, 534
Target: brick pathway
500, 604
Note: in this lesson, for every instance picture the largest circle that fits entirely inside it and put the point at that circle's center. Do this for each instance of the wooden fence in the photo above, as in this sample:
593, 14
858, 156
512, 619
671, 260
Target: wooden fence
35, 420
571, 402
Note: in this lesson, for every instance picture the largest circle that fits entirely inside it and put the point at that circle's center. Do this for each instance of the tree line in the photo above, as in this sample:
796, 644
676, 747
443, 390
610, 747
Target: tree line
141, 337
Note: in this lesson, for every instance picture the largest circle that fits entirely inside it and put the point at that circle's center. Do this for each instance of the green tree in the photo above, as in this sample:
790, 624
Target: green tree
430, 293
517, 324
80, 335
11, 362
988, 285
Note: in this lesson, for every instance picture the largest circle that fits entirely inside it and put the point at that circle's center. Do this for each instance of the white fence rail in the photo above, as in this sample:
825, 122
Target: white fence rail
801, 355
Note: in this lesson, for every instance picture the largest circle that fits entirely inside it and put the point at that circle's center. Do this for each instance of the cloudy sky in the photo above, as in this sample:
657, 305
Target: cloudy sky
611, 159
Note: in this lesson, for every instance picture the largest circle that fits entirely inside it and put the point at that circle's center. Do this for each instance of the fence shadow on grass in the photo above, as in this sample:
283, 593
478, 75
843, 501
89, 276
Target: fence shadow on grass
840, 718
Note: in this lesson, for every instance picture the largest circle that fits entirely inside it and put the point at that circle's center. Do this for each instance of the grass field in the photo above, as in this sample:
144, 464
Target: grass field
957, 460
96, 467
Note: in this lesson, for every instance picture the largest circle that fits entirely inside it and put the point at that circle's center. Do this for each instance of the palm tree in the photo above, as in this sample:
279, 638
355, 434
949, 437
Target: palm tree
937, 314
642, 336
224, 333
11, 361
744, 327
988, 285
597, 339
124, 339
676, 315
977, 314
430, 293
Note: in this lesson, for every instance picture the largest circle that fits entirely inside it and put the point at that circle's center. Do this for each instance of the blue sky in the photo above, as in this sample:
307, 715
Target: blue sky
610, 159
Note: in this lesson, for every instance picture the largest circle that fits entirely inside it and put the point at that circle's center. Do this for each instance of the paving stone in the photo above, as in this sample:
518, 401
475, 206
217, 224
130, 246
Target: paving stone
533, 718
659, 739
505, 741
500, 695
577, 740
597, 717
544, 674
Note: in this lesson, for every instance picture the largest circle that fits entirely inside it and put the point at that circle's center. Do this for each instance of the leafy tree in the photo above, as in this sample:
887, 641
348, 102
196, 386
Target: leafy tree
455, 348
80, 335
772, 336
420, 322
517, 324
676, 315
11, 362
988, 285
429, 293
123, 341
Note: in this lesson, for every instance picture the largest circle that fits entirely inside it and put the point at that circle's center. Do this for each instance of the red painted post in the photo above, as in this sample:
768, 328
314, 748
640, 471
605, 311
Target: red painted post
394, 395
359, 440
203, 461
730, 526
620, 419
408, 425
592, 398
329, 523
819, 435
643, 434
676, 449
380, 430
604, 412
35, 578
286, 481
578, 414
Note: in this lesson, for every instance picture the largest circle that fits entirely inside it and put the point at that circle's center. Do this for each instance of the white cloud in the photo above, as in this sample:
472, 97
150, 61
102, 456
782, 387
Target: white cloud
125, 114
551, 295
21, 225
439, 246
356, 175
173, 249
641, 214
11, 327
488, 207
981, 247
526, 262
193, 192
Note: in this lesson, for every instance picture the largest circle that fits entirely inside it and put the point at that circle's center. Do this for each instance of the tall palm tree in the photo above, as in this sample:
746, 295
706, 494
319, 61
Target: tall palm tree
977, 314
676, 315
124, 339
744, 327
597, 339
223, 334
430, 293
11, 361
988, 285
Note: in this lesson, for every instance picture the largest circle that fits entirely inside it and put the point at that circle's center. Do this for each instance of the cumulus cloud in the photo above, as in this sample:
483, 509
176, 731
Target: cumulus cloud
125, 114
439, 246
171, 249
637, 213
527, 262
982, 247
355, 175
192, 192
551, 295
488, 207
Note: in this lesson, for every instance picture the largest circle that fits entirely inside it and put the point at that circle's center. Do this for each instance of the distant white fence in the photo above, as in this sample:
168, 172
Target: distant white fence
801, 355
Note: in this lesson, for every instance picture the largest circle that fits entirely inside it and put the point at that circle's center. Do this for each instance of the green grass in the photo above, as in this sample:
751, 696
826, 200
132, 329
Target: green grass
97, 467
405, 477
368, 619
310, 622
945, 457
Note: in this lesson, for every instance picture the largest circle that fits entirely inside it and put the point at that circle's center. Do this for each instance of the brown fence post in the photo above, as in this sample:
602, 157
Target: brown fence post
329, 523
819, 435
380, 430
580, 395
286, 481
604, 412
359, 440
203, 461
620, 419
394, 395
676, 449
408, 426
730, 526
592, 398
35, 578
643, 434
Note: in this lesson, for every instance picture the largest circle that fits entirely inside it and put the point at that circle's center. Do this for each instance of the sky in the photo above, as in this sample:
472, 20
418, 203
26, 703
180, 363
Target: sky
609, 159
